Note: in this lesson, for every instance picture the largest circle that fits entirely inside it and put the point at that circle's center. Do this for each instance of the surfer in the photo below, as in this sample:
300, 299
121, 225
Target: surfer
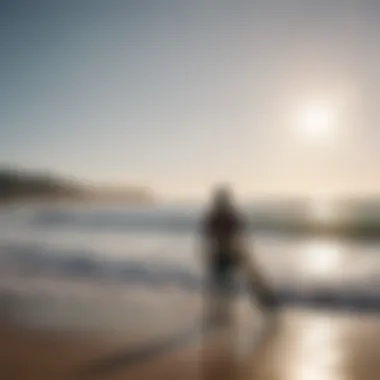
225, 252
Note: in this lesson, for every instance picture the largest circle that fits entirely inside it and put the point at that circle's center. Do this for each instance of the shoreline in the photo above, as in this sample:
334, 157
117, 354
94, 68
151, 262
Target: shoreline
318, 336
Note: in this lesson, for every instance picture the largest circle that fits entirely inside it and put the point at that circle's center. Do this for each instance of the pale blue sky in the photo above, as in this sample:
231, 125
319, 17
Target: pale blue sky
180, 94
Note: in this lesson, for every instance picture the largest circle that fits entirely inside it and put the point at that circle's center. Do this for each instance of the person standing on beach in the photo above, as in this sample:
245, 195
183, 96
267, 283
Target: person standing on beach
222, 231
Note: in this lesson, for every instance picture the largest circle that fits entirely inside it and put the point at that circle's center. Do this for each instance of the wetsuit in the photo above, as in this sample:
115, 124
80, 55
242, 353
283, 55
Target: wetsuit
222, 229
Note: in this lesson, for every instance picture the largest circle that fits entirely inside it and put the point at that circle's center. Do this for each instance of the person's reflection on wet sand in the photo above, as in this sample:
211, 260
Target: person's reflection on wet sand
223, 357
219, 357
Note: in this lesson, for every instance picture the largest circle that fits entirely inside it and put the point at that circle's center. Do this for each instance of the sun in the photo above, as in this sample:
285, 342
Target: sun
315, 120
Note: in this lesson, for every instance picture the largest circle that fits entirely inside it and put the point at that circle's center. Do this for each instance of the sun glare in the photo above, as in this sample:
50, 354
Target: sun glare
315, 120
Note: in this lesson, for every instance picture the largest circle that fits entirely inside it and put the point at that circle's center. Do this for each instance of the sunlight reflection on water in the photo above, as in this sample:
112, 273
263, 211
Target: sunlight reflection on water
323, 211
322, 259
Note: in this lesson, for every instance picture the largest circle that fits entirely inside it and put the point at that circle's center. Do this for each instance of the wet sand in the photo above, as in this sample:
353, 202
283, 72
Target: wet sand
299, 344
303, 346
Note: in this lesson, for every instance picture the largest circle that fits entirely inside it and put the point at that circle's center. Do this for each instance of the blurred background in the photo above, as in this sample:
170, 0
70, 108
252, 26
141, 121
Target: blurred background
117, 119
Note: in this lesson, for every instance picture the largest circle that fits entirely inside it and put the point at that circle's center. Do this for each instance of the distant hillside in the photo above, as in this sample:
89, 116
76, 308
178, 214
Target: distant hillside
120, 194
15, 184
27, 185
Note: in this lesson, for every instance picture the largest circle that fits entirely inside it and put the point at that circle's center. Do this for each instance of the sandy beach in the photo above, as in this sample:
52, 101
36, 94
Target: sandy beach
299, 344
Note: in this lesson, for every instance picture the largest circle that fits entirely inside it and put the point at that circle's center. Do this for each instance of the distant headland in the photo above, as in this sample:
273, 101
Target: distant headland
28, 185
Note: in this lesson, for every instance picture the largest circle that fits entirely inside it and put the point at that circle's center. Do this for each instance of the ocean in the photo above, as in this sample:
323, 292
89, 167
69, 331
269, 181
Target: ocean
102, 250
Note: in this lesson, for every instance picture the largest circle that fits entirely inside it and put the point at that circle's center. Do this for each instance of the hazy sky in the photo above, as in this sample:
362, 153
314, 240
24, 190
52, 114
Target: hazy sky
180, 94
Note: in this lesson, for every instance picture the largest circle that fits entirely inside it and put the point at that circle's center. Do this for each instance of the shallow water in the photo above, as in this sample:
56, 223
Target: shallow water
140, 246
